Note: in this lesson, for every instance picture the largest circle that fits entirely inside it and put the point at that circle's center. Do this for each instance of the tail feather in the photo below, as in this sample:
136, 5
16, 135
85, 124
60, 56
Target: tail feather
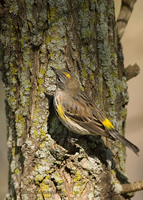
126, 142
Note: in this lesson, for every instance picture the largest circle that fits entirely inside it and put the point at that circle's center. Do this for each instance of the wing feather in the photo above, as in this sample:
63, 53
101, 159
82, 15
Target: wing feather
84, 115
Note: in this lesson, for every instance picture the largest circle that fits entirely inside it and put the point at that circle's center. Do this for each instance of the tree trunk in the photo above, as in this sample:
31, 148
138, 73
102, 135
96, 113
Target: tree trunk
81, 36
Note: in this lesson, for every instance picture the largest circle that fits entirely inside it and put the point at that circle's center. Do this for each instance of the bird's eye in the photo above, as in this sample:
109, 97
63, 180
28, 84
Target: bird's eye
58, 79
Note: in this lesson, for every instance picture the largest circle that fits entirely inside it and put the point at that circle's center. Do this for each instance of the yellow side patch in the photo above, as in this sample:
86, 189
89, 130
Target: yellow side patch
61, 112
107, 124
67, 74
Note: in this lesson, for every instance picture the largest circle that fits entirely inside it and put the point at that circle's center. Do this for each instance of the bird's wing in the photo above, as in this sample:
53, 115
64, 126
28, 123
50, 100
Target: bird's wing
87, 115
84, 114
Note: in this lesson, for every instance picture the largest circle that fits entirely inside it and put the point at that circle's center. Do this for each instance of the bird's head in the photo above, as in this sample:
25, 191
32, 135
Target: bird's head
66, 80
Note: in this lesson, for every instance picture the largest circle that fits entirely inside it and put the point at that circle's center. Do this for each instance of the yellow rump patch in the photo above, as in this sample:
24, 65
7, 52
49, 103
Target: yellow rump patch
67, 74
107, 124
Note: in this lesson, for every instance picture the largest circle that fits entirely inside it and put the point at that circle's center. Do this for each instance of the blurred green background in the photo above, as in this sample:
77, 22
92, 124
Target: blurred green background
132, 42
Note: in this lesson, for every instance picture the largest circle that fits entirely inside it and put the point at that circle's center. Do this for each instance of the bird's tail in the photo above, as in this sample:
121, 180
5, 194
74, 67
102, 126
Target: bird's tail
126, 142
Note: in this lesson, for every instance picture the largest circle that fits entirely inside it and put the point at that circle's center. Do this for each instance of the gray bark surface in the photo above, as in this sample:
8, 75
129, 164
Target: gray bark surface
81, 36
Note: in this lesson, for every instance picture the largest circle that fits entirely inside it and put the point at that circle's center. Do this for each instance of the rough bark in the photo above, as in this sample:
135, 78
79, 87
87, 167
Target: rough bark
81, 36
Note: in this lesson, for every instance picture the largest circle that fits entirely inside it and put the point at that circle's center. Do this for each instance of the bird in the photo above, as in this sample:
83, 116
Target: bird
78, 113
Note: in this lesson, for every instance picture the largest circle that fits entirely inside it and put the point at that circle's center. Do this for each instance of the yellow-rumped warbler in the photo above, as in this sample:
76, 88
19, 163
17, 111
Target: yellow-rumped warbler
78, 113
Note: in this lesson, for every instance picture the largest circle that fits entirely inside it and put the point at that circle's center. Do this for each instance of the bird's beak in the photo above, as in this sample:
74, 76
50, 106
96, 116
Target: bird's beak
55, 70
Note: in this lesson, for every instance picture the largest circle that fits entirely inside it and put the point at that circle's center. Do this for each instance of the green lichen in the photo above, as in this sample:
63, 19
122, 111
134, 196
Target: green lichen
57, 178
79, 188
42, 133
13, 152
20, 124
42, 145
52, 14
14, 7
17, 171
40, 81
44, 187
19, 118
84, 73
29, 64
26, 182
13, 69
12, 99
38, 178
91, 76
48, 39
77, 176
